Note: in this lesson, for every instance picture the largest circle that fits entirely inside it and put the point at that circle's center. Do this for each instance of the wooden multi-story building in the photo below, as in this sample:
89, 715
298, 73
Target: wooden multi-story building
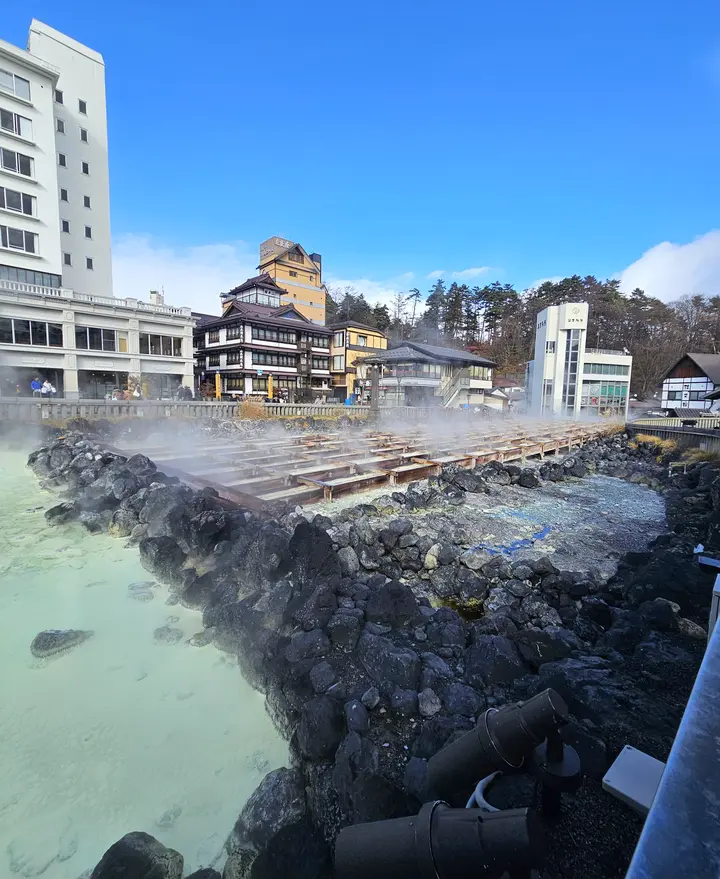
261, 335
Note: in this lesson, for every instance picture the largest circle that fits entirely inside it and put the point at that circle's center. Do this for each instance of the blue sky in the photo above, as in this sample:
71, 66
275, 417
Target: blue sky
521, 140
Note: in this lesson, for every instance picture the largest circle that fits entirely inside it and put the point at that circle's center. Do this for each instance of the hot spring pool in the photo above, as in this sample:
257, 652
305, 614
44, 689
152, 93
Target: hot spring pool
123, 732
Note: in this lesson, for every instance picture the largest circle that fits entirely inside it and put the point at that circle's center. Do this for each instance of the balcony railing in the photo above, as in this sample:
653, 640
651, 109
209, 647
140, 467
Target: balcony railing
605, 351
21, 288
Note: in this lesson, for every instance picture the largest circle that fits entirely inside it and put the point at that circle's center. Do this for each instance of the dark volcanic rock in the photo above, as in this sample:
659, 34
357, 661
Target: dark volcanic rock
389, 665
60, 513
274, 838
393, 603
53, 641
492, 659
139, 855
162, 557
321, 728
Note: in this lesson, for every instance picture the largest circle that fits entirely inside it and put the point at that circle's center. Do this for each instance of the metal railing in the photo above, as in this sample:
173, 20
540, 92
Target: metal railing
605, 351
680, 836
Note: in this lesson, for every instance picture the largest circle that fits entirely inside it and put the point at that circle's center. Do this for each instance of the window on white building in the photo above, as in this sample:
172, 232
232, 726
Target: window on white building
17, 162
13, 200
88, 231
24, 332
58, 96
549, 347
63, 195
83, 135
165, 346
16, 124
95, 339
18, 239
67, 259
59, 126
82, 107
88, 262
62, 160
15, 85
65, 225
86, 201
85, 168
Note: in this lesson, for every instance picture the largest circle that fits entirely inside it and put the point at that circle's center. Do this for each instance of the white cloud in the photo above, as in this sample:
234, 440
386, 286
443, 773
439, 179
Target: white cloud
669, 271
535, 284
437, 274
375, 292
468, 274
190, 276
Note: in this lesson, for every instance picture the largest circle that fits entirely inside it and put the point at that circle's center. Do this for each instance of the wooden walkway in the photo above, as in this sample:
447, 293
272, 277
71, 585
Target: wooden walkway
307, 468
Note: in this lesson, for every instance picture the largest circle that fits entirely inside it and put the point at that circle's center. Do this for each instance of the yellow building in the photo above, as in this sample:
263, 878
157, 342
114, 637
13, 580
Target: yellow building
349, 342
298, 272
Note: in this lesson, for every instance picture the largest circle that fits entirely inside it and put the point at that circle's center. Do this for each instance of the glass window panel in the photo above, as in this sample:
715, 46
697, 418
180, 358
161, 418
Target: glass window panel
22, 88
30, 242
55, 338
9, 160
28, 206
13, 200
6, 81
6, 335
81, 337
108, 340
144, 343
25, 165
166, 342
22, 332
39, 332
177, 347
95, 338
25, 126
155, 345
16, 238
7, 120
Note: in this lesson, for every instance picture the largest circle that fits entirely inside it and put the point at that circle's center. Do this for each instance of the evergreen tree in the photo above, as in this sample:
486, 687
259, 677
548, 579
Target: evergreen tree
381, 317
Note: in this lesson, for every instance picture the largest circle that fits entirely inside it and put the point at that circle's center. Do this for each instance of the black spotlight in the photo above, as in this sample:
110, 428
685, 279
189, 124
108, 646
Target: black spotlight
502, 739
441, 843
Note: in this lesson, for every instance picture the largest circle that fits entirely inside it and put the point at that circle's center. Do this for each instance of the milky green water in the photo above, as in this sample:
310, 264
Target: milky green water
121, 733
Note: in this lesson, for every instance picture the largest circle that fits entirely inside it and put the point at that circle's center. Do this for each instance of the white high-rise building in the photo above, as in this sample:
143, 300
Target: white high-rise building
54, 183
566, 378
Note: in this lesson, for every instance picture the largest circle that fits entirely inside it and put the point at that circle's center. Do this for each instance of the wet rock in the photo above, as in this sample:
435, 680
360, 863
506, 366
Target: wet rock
142, 590
274, 838
320, 730
205, 873
435, 671
316, 610
141, 855
588, 684
162, 557
597, 611
60, 513
122, 523
311, 556
492, 659
54, 641
167, 635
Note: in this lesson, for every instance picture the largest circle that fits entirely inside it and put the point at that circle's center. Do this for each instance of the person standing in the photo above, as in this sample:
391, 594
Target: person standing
36, 386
